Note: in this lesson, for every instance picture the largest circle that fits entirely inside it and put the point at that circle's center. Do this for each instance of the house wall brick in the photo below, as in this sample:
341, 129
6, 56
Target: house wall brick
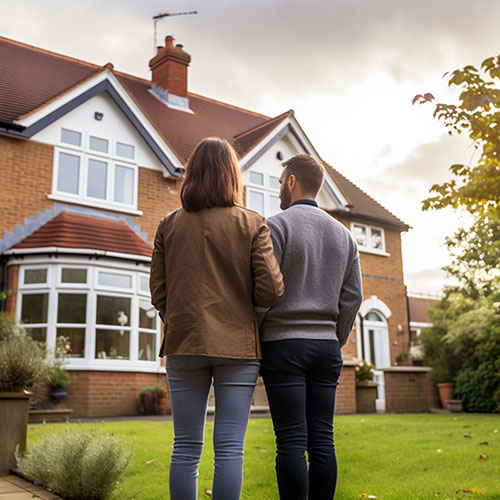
108, 394
345, 401
12, 285
26, 173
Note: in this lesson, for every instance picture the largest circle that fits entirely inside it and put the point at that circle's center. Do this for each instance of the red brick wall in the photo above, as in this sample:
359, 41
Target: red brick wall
345, 401
26, 179
407, 390
108, 394
12, 285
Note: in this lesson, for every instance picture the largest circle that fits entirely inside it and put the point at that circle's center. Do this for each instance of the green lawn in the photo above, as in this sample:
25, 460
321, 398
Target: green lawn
424, 456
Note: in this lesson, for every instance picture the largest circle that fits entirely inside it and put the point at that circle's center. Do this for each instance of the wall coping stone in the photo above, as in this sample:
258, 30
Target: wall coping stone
407, 369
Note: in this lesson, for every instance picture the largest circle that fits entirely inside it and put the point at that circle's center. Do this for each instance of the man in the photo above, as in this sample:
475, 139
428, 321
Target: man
302, 335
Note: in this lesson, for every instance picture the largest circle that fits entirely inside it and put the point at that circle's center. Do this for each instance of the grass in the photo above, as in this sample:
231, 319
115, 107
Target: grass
392, 457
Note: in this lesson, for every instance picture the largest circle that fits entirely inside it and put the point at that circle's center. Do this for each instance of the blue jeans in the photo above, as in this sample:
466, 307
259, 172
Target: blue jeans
301, 378
189, 380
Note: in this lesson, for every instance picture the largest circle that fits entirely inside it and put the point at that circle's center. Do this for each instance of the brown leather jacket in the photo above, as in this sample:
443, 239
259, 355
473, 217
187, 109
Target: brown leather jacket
209, 269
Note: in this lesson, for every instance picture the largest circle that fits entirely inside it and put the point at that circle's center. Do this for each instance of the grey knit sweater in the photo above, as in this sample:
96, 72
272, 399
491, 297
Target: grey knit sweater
319, 261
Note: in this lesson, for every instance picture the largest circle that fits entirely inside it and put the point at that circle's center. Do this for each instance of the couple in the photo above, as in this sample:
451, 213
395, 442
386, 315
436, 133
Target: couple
213, 263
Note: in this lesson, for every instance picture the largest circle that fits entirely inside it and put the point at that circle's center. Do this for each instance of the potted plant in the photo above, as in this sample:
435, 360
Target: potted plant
404, 358
59, 378
24, 371
153, 400
366, 388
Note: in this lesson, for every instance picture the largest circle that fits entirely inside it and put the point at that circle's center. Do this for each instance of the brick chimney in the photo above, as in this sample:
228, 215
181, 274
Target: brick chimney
169, 68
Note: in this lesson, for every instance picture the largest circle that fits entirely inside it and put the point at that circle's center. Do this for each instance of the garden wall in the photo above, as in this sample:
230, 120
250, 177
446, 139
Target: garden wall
408, 389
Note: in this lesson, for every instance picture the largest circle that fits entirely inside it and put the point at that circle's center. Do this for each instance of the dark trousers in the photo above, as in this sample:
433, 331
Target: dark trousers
301, 377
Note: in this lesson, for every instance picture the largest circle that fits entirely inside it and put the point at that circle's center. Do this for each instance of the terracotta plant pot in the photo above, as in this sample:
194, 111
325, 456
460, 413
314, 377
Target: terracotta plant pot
445, 393
14, 408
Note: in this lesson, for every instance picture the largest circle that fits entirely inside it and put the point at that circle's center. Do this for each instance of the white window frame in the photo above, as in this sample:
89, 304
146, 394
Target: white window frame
369, 249
264, 189
110, 158
54, 286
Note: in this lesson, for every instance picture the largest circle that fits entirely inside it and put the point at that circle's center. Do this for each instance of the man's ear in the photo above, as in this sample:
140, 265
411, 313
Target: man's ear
292, 182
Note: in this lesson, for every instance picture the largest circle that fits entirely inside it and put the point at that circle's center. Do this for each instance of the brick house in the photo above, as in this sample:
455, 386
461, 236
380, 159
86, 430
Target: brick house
89, 163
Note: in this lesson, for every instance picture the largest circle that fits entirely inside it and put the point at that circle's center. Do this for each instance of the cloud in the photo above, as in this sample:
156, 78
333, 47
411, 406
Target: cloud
429, 280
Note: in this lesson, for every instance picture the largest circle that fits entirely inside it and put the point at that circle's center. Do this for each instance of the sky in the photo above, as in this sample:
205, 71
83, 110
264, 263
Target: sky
348, 68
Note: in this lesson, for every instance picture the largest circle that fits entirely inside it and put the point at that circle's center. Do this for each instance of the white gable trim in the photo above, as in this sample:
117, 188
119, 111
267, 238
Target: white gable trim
104, 81
291, 126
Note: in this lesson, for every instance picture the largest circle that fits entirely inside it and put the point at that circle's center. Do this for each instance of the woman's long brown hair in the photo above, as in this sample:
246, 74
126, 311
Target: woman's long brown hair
213, 177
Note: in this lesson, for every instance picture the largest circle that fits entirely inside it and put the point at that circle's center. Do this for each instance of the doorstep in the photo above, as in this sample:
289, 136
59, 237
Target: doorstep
15, 488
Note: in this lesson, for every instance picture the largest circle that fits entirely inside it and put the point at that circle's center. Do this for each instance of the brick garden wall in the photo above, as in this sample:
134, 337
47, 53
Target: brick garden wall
345, 401
407, 389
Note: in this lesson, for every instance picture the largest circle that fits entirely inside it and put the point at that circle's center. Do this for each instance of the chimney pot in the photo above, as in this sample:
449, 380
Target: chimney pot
169, 41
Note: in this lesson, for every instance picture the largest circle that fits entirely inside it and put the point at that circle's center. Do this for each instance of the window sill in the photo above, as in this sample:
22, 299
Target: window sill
88, 203
116, 366
373, 252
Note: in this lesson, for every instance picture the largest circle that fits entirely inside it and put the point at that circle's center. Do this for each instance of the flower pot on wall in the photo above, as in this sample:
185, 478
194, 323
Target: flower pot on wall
14, 408
366, 395
445, 392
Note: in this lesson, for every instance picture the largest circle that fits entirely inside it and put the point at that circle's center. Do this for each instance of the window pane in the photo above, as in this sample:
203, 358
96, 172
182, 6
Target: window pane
124, 185
373, 316
69, 275
76, 339
68, 173
147, 315
359, 235
97, 144
39, 334
112, 344
34, 276
34, 308
257, 178
144, 283
71, 308
255, 201
376, 239
125, 150
116, 280
274, 205
71, 137
274, 182
113, 310
96, 180
147, 346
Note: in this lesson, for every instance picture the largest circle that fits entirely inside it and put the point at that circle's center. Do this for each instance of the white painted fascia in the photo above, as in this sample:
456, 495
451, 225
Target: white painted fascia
309, 149
87, 85
77, 251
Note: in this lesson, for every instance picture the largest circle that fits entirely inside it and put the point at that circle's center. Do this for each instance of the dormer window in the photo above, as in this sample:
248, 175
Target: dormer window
103, 173
370, 239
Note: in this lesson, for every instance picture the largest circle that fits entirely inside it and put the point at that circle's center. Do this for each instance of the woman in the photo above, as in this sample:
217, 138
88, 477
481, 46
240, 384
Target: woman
213, 262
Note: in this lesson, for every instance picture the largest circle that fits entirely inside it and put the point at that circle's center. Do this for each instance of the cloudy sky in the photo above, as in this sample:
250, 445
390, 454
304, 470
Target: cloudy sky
349, 69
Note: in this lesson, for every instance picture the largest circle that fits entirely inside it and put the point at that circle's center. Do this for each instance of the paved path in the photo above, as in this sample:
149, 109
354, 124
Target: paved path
14, 488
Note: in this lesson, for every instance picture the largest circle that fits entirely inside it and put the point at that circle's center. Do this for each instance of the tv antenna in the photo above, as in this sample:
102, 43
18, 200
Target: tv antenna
168, 14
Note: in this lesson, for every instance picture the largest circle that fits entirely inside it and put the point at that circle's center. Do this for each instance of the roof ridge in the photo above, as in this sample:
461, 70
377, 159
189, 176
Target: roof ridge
262, 125
227, 105
366, 194
48, 52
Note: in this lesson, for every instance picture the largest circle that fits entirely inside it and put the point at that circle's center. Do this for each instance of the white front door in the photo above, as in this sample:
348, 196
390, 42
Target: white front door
376, 351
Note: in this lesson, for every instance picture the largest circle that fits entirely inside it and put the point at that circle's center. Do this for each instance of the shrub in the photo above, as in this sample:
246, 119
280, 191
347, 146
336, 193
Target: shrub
151, 398
76, 464
23, 363
364, 372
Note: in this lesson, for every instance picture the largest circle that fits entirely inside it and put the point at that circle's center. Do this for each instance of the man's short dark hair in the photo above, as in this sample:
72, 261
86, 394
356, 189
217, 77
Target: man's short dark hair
308, 171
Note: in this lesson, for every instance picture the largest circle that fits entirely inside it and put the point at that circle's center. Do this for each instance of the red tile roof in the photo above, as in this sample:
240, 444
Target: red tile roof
68, 230
32, 77
418, 309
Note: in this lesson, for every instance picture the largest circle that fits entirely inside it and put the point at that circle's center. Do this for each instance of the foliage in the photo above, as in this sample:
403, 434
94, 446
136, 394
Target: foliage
403, 356
59, 378
4, 294
473, 187
76, 464
372, 450
475, 253
463, 345
151, 400
364, 372
23, 363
